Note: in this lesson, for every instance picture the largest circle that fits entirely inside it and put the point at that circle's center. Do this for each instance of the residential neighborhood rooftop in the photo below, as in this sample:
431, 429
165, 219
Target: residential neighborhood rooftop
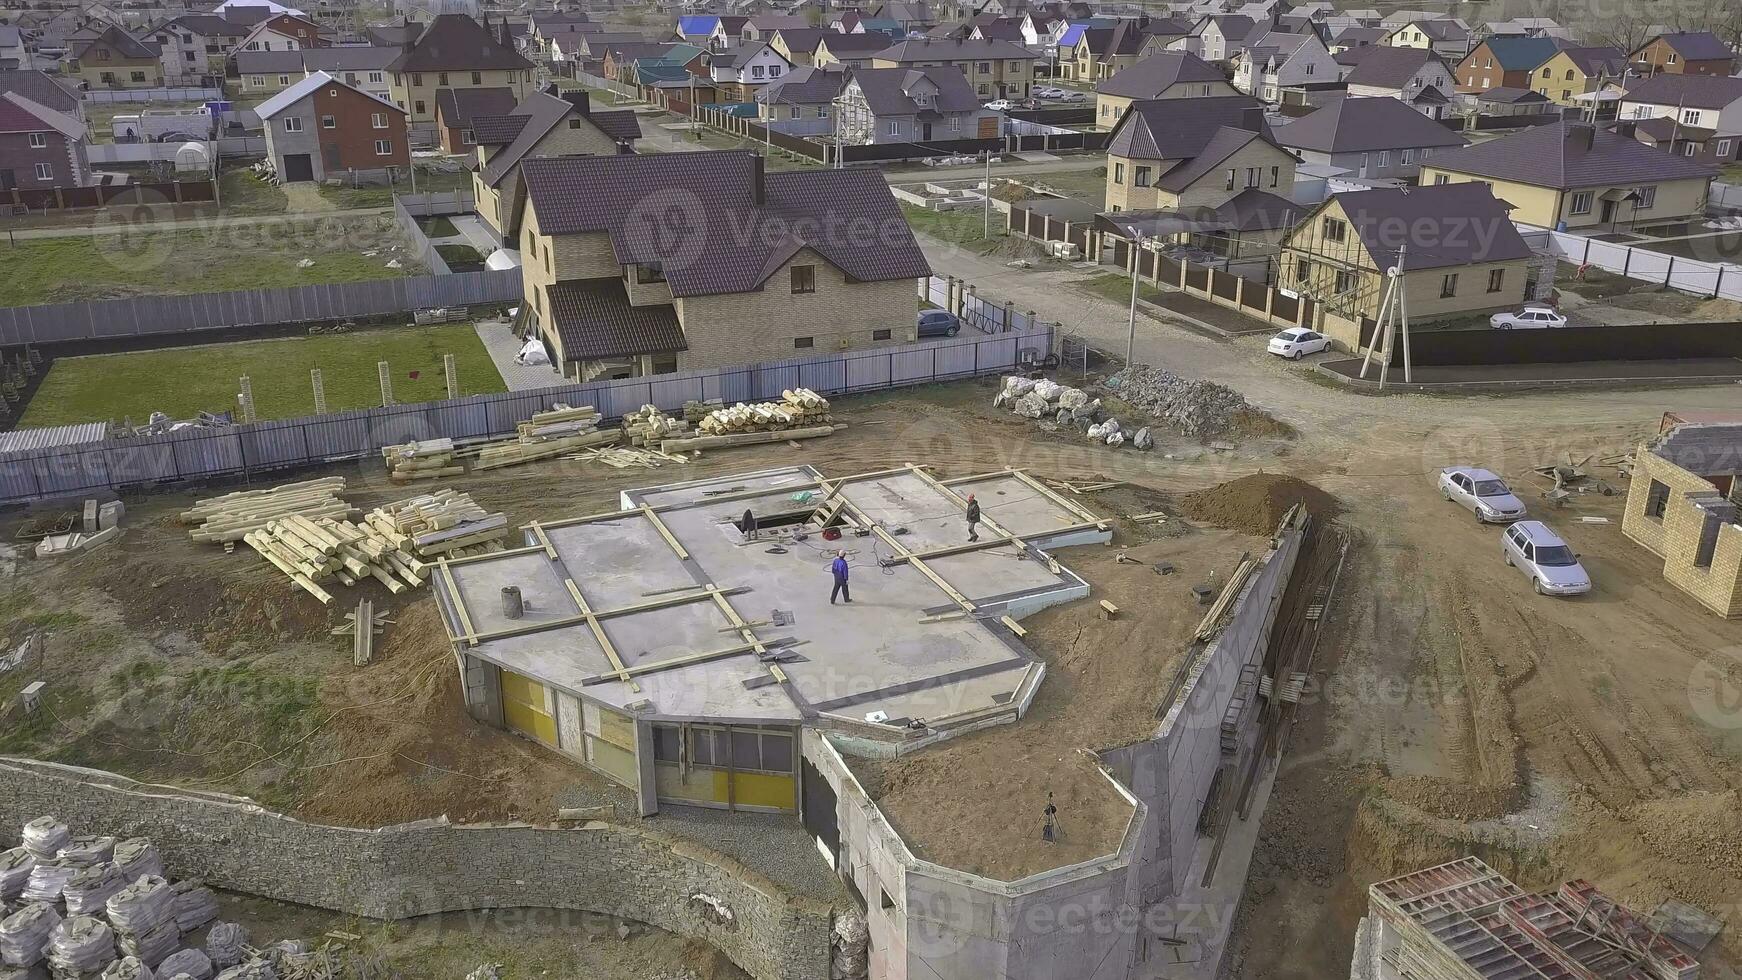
1694, 45
1687, 91
1157, 73
1443, 226
1384, 66
1568, 155
455, 42
1354, 125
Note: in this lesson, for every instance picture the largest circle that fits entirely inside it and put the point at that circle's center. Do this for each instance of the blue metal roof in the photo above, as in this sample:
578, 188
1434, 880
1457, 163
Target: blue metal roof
697, 25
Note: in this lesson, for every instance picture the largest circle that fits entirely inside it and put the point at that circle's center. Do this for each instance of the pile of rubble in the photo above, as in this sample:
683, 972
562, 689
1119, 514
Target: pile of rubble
1048, 400
1201, 409
90, 907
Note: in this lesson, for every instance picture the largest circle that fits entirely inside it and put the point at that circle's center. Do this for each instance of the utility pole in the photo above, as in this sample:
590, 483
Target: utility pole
1131, 335
986, 198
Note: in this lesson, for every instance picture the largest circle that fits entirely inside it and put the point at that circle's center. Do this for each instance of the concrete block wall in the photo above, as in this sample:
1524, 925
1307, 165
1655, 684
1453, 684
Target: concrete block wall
1675, 536
429, 867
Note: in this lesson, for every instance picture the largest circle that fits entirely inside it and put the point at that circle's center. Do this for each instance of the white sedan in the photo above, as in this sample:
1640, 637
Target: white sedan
1297, 342
1529, 318
1481, 492
1071, 97
1000, 105
1048, 92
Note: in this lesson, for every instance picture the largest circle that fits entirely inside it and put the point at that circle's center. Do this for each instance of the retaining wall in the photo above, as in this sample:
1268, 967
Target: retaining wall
429, 867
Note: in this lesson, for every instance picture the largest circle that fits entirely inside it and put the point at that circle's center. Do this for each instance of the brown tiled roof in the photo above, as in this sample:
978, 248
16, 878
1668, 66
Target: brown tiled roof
595, 320
1388, 67
619, 124
1157, 73
459, 106
1356, 125
497, 130
1694, 46
699, 216
1568, 155
121, 43
1689, 91
543, 112
455, 42
1444, 225
41, 88
1175, 129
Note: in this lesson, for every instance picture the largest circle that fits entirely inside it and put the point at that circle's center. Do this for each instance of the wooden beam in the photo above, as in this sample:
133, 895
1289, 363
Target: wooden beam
656, 666
622, 672
665, 532
459, 602
744, 629
1059, 499
543, 539
588, 614
1015, 627
508, 553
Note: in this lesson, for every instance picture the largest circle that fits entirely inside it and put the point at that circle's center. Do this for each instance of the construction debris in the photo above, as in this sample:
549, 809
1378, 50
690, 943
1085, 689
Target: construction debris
800, 414
56, 545
362, 626
648, 426
447, 523
1200, 409
622, 458
1572, 477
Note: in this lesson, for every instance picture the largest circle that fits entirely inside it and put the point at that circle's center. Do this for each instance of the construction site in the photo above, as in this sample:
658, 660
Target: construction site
1158, 713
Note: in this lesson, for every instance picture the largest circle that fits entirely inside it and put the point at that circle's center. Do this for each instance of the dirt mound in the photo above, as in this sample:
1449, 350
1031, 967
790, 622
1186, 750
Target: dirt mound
1256, 504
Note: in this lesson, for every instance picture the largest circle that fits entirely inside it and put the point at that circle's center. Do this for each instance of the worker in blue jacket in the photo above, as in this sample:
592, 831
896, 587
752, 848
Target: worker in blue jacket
839, 567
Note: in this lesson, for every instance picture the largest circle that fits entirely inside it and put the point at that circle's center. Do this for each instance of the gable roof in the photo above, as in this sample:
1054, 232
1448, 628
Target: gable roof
1153, 75
1359, 36
1521, 53
1357, 125
1693, 45
543, 112
1510, 95
868, 42
268, 62
887, 90
930, 48
696, 25
306, 87
1177, 129
20, 115
1568, 155
1224, 143
455, 42
1662, 129
41, 88
459, 106
792, 210
1690, 91
777, 22
800, 40
121, 43
595, 319
350, 57
1599, 60
742, 54
1437, 30
1444, 226
1389, 67
394, 35
205, 25
805, 85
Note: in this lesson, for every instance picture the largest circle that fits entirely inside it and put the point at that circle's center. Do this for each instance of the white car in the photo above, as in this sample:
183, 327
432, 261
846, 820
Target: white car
1049, 92
1000, 105
1297, 342
1535, 550
1071, 97
1481, 493
1529, 318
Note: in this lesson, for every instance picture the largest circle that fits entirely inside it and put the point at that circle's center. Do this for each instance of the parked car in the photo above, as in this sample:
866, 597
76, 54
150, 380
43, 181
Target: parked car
1000, 105
1029, 104
1535, 550
938, 323
1071, 96
1297, 342
1481, 493
1529, 318
1049, 92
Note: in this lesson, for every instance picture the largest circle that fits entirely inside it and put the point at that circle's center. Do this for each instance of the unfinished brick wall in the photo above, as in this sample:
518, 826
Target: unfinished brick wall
1675, 536
420, 869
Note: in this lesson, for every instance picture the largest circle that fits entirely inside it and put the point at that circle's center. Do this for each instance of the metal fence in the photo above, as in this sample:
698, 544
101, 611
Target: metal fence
98, 96
1714, 279
144, 315
420, 246
228, 146
1726, 195
244, 450
601, 82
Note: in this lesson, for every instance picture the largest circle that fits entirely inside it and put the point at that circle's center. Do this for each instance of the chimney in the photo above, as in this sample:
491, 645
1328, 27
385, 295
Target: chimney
757, 190
1583, 134
579, 98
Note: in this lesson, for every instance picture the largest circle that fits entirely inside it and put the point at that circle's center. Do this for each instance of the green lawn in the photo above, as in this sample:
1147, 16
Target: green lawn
1085, 185
111, 266
184, 380
460, 258
1731, 174
382, 197
242, 193
1113, 286
966, 228
434, 228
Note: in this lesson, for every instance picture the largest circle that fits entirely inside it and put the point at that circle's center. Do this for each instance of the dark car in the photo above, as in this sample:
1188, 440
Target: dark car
938, 323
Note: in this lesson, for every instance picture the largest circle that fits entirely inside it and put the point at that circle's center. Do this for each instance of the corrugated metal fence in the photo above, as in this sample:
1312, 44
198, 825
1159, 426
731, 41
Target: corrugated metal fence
192, 94
1719, 280
243, 450
142, 315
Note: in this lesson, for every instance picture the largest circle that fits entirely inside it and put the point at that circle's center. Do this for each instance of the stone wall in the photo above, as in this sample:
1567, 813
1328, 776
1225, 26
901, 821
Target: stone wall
424, 868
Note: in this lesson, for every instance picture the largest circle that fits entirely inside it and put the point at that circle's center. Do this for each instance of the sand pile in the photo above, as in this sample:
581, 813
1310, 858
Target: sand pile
1256, 504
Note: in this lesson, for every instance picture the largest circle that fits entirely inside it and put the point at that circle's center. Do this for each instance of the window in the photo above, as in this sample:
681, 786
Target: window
804, 278
419, 105
574, 122
383, 148
895, 127
1140, 177
1496, 280
293, 124
257, 80
823, 113
1656, 498
1545, 73
984, 68
1566, 94
1689, 148
1407, 157
375, 77
44, 172
1581, 203
1275, 175
1647, 197
1708, 540
881, 334
477, 78
1449, 285
1723, 149
1233, 175
329, 122
645, 274
1310, 68
1346, 281
1669, 59
38, 141
284, 79
442, 78
1441, 179
756, 71
803, 343
378, 120
1303, 270
1333, 230
1118, 173
1384, 158
956, 123
1691, 116
416, 79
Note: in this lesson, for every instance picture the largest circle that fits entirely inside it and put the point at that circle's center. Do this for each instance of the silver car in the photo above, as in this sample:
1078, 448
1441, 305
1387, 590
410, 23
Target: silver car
1481, 493
1553, 568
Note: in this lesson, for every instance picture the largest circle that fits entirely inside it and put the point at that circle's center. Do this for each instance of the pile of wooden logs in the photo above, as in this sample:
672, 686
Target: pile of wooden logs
695, 411
648, 426
424, 460
800, 414
231, 517
547, 434
314, 551
447, 523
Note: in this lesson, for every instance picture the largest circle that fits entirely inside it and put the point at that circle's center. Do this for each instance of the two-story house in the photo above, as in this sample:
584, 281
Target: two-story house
747, 266
545, 124
996, 69
802, 102
39, 146
194, 46
850, 50
283, 32
115, 59
551, 36
1280, 61
1102, 52
1688, 115
1167, 75
457, 108
1572, 72
1505, 62
1444, 37
1178, 153
739, 73
1371, 138
320, 128
1578, 177
913, 105
454, 52
1221, 37
1684, 53
1414, 76
261, 73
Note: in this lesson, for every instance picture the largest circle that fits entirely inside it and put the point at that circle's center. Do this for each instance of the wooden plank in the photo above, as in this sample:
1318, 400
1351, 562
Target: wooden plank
665, 532
1236, 582
459, 601
622, 672
656, 666
363, 634
537, 530
1015, 627
1108, 610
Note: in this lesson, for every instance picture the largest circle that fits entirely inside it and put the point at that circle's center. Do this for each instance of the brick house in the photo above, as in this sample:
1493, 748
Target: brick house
1505, 62
39, 146
1165, 75
748, 266
546, 124
321, 127
1681, 507
193, 46
1683, 53
1179, 153
996, 69
456, 108
283, 32
113, 59
455, 52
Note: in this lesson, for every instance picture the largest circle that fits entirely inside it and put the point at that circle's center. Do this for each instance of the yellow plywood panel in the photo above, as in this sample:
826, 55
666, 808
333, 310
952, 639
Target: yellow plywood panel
616, 729
615, 762
762, 789
524, 708
701, 786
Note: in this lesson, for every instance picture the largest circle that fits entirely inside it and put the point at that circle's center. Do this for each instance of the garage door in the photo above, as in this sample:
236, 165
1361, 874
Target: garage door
989, 127
525, 710
298, 166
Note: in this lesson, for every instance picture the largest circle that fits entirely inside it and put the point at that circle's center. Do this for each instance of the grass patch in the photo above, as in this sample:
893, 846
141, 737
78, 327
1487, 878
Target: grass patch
439, 182
460, 258
186, 380
1596, 283
1731, 174
241, 193
774, 158
1111, 285
438, 228
146, 263
966, 228
1084, 185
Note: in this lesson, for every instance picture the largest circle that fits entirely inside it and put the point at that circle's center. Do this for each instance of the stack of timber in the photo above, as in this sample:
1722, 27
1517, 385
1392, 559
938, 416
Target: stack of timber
313, 551
444, 524
800, 414
546, 435
425, 460
695, 411
648, 426
234, 516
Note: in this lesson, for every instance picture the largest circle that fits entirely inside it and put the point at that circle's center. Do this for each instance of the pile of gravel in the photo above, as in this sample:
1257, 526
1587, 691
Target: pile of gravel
1200, 409
1045, 400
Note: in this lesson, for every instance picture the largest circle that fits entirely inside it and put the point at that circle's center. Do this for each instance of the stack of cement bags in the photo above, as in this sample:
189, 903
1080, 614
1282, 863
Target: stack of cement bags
195, 905
143, 914
15, 866
138, 857
90, 888
25, 935
47, 879
224, 944
187, 963
127, 968
45, 836
81, 945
